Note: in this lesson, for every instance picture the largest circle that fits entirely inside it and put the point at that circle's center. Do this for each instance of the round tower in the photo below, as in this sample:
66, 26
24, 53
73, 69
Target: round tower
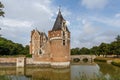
59, 38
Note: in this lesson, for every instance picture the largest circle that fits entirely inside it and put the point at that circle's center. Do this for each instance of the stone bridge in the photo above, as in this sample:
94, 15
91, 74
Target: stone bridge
82, 58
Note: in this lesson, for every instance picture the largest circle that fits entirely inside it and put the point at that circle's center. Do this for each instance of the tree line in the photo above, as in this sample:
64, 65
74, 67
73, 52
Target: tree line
1, 11
103, 49
8, 47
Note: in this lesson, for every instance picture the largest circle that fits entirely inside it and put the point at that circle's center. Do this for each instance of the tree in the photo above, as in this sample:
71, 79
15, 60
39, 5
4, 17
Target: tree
104, 49
118, 38
7, 47
115, 48
75, 51
95, 50
1, 11
84, 50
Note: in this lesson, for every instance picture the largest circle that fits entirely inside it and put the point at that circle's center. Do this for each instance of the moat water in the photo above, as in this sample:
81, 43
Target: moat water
85, 71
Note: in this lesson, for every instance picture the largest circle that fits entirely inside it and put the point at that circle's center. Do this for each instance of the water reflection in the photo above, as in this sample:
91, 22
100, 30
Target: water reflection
35, 73
75, 72
86, 71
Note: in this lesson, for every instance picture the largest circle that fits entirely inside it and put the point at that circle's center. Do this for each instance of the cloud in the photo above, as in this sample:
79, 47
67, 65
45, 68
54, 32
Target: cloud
117, 15
84, 33
21, 16
92, 31
16, 23
88, 27
109, 21
94, 4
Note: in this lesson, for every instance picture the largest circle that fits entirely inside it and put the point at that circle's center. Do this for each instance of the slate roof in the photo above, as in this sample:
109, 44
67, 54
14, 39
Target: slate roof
58, 22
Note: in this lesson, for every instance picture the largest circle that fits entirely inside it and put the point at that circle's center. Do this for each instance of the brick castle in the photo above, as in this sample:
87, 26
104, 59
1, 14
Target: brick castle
53, 49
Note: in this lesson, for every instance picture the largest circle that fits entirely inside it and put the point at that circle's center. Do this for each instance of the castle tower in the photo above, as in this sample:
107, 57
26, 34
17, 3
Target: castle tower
59, 38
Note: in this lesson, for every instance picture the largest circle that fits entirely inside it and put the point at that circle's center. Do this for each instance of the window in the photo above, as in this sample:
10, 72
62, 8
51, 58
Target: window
63, 42
40, 52
63, 33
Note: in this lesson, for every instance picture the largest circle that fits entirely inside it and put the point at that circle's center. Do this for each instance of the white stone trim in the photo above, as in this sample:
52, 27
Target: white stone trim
60, 63
56, 38
40, 62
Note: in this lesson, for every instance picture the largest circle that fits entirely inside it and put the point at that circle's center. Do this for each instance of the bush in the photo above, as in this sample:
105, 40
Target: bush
116, 63
100, 60
29, 55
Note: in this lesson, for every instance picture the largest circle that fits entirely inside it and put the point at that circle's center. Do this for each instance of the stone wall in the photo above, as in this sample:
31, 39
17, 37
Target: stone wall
8, 60
14, 60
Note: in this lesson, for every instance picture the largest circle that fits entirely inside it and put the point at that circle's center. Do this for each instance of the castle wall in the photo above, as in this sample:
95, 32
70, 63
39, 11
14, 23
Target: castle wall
58, 51
8, 60
54, 49
44, 57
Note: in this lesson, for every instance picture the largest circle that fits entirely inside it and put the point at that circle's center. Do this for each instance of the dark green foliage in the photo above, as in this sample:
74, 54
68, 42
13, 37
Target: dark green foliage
84, 50
7, 47
103, 49
100, 60
116, 64
1, 11
29, 55
75, 51
118, 38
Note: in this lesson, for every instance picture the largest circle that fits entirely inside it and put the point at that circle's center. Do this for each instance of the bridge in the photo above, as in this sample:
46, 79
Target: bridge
82, 58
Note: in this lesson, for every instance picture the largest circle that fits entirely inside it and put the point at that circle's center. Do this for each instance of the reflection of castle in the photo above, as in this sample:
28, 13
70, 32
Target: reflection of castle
54, 49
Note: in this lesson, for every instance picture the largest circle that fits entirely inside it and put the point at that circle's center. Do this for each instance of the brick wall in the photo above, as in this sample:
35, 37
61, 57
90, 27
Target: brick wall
8, 60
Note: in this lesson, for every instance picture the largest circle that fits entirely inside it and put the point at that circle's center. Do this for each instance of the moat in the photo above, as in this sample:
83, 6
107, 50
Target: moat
85, 71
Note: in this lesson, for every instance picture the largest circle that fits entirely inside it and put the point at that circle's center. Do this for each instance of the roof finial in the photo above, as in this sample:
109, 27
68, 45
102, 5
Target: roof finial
59, 7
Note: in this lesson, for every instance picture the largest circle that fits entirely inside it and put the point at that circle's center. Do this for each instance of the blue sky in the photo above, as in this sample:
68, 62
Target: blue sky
91, 22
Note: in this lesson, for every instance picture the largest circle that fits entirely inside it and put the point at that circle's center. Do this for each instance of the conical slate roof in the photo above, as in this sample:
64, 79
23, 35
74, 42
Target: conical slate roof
58, 22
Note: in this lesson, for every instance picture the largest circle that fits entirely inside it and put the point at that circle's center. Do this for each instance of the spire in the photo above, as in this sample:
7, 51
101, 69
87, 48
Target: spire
58, 22
59, 9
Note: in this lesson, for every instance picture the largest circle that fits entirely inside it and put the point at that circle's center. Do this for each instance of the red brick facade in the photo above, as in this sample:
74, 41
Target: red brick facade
55, 47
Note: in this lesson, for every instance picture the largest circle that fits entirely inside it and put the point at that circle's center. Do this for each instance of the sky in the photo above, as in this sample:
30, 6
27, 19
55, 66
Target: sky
90, 22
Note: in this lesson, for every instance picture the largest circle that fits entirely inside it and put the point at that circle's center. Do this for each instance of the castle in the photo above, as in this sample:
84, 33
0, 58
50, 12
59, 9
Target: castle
53, 49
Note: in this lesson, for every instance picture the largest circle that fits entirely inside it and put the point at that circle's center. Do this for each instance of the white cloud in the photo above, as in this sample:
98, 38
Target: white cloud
117, 15
16, 23
94, 4
111, 21
21, 16
88, 28
92, 31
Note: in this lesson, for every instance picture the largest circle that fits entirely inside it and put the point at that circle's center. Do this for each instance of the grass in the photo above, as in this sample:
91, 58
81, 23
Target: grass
116, 62
102, 59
